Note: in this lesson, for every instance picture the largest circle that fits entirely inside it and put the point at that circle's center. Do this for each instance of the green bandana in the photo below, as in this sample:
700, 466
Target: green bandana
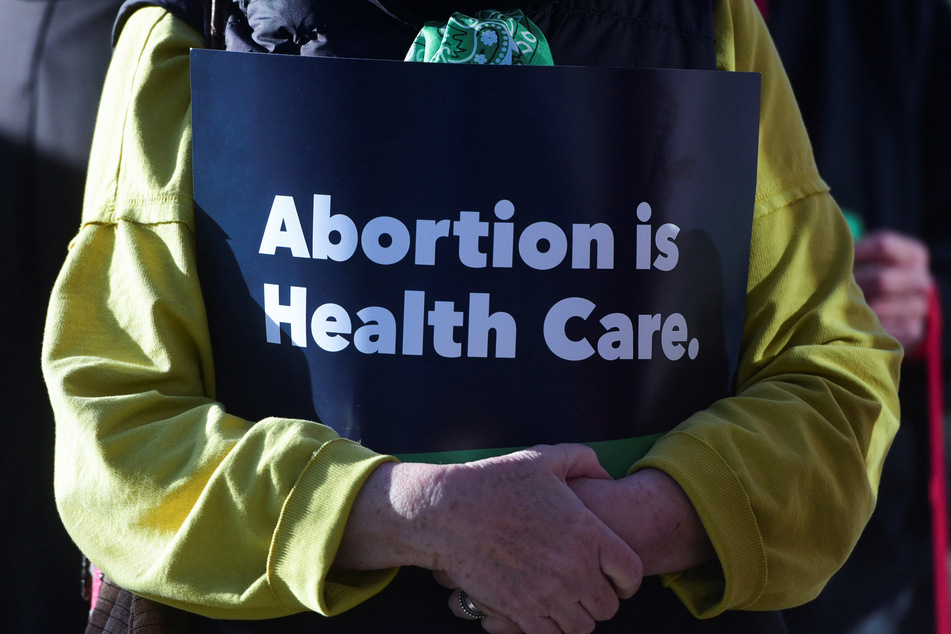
491, 37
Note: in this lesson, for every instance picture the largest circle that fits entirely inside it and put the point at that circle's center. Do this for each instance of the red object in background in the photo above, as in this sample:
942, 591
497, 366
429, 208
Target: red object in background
929, 353
937, 484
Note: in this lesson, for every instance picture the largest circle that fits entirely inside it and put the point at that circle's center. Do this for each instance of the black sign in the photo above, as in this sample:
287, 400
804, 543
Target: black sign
434, 258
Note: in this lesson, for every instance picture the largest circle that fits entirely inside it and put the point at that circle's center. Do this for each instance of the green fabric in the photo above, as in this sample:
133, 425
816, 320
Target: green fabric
490, 37
615, 456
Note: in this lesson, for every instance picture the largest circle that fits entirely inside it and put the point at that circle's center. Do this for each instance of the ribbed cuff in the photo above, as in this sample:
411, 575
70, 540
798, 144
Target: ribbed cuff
311, 527
725, 511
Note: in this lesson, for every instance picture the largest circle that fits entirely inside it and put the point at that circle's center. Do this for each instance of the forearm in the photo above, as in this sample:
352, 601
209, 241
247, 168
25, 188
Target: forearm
174, 497
784, 474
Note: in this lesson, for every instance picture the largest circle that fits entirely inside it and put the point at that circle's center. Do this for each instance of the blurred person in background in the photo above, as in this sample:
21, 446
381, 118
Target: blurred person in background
872, 83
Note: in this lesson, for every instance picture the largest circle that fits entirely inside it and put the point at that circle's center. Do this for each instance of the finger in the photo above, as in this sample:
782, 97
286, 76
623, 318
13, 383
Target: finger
891, 246
573, 619
912, 308
443, 579
500, 625
456, 600
540, 625
621, 566
493, 623
580, 461
909, 334
871, 247
876, 280
601, 601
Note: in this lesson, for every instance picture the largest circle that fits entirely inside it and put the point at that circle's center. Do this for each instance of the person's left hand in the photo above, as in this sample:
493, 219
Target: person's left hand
653, 515
892, 269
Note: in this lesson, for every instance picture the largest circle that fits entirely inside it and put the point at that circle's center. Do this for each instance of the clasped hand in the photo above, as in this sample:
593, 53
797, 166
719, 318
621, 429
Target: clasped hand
527, 549
541, 540
507, 530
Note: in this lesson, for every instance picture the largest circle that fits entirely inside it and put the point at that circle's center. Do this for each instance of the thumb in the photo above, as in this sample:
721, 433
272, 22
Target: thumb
580, 461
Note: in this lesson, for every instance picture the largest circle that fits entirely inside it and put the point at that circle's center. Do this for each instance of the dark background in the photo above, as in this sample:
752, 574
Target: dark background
52, 65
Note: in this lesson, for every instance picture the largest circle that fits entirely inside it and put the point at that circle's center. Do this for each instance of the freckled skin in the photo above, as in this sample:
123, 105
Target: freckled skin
521, 534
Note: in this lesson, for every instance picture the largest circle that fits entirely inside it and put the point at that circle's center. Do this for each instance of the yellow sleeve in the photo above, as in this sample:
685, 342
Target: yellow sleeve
169, 494
785, 474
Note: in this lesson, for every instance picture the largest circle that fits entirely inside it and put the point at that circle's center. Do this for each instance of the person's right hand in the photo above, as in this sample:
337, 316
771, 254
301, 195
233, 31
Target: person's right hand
523, 546
511, 533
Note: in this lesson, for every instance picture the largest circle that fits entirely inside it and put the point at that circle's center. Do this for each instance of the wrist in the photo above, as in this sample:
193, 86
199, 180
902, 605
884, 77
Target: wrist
674, 535
392, 522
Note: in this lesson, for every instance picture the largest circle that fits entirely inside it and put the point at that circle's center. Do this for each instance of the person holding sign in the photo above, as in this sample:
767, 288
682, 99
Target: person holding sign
204, 517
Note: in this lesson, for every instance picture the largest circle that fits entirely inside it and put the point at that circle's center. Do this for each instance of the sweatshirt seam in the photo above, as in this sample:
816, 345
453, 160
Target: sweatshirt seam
110, 216
127, 114
806, 183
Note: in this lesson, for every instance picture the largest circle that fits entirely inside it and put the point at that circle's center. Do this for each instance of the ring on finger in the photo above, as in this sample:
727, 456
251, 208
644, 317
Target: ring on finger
468, 607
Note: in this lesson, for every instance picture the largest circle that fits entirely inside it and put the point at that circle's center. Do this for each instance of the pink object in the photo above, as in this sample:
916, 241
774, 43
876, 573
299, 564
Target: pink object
96, 584
937, 488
